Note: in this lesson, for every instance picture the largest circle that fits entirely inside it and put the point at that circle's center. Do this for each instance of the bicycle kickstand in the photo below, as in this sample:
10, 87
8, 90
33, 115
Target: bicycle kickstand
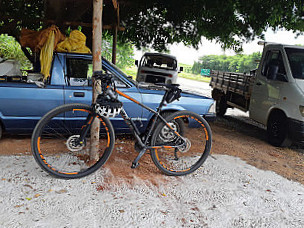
135, 162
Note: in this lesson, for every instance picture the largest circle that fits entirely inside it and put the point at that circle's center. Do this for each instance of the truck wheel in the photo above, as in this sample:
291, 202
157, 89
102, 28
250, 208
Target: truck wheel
277, 130
221, 106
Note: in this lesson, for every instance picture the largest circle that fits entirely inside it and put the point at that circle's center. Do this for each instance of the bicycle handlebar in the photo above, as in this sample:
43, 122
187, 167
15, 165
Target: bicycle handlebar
104, 78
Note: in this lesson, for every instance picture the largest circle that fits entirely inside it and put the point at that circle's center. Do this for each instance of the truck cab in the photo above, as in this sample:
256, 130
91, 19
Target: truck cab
273, 94
23, 103
157, 68
277, 98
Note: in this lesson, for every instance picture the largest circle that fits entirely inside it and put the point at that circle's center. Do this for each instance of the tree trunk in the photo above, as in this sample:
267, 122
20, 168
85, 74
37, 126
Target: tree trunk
97, 38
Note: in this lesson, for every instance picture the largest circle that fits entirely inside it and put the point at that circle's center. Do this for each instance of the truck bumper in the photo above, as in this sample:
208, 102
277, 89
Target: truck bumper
296, 130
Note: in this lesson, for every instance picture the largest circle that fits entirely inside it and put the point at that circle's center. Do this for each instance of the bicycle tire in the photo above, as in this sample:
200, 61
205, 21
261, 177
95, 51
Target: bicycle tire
53, 138
189, 157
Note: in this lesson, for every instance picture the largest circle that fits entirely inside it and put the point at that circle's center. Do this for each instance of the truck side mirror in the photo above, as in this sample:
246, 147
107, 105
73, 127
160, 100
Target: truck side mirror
272, 72
181, 69
136, 62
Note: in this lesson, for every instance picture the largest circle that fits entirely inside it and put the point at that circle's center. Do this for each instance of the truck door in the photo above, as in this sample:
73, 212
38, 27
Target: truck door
22, 105
78, 73
266, 89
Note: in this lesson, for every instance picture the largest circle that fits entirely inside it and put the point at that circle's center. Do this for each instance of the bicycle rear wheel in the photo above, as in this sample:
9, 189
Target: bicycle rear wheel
181, 155
56, 147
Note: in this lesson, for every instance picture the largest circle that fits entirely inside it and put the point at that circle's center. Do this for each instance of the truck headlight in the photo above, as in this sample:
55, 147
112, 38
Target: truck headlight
301, 110
212, 108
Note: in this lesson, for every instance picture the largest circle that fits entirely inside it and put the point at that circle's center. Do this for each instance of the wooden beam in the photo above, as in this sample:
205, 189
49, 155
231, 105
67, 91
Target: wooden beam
115, 4
89, 25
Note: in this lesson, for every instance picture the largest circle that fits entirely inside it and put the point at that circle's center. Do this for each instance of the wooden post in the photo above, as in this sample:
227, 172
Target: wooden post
97, 66
114, 44
115, 28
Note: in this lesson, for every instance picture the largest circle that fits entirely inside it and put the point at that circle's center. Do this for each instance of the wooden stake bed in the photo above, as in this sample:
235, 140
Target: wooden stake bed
233, 82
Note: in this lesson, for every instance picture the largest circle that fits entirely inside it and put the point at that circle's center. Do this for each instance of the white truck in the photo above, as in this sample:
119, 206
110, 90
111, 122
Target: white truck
157, 68
273, 94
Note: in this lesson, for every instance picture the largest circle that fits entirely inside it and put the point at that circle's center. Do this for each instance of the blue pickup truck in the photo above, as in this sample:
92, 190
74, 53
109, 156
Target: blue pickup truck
22, 104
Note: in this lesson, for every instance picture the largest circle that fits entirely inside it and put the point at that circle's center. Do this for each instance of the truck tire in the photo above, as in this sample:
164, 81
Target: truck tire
221, 106
277, 130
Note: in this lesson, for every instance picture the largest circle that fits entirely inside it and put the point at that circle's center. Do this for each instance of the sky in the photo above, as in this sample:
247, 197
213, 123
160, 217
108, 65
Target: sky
188, 55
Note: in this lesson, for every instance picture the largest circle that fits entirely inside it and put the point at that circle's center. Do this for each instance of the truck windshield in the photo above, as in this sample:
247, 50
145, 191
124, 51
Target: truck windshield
159, 61
296, 62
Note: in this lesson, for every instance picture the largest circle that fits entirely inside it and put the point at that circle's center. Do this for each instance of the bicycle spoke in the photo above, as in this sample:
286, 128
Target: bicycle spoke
182, 152
58, 148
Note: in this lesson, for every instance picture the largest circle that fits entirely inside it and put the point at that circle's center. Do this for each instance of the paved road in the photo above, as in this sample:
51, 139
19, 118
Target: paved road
204, 89
199, 87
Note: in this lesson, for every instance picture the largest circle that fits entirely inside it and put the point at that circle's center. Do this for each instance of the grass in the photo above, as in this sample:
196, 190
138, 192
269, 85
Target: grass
196, 77
132, 71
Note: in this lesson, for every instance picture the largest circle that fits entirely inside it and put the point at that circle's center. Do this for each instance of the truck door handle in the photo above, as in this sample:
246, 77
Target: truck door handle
78, 94
258, 83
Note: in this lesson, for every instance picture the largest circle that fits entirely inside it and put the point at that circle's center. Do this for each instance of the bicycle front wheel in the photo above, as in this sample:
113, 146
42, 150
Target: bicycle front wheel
56, 147
186, 150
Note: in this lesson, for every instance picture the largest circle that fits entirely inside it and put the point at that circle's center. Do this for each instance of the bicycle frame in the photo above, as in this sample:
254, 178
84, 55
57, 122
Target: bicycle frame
134, 130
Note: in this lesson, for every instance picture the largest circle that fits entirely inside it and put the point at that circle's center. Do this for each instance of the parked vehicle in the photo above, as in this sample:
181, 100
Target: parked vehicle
157, 67
22, 104
273, 94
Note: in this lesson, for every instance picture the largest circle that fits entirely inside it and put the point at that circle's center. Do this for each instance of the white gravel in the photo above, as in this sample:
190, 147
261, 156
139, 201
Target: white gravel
226, 192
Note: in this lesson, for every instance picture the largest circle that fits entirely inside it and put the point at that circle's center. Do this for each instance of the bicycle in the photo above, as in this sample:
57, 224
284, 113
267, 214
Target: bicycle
179, 143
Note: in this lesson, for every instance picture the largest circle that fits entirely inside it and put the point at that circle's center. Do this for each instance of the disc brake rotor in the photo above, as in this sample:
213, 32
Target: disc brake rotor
73, 143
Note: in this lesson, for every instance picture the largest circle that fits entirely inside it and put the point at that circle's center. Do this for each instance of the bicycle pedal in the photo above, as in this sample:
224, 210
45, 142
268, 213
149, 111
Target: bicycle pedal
134, 165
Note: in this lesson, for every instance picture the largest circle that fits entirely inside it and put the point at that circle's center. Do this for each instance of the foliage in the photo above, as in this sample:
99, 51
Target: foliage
186, 68
231, 22
125, 54
236, 63
158, 23
20, 13
10, 49
131, 71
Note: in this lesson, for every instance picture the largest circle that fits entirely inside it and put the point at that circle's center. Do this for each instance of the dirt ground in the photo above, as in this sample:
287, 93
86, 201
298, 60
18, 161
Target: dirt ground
235, 136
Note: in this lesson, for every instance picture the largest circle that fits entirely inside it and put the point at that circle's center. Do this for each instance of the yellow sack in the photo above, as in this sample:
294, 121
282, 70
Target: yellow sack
75, 43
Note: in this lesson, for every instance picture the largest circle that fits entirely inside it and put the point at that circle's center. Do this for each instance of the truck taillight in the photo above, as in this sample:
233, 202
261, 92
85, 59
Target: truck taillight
142, 72
170, 75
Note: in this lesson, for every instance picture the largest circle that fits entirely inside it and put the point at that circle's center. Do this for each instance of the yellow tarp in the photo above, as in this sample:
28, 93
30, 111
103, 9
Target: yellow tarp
76, 42
44, 41
35, 40
50, 39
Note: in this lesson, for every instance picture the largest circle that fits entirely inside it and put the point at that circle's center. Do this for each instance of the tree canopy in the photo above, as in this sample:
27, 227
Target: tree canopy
237, 63
158, 23
229, 22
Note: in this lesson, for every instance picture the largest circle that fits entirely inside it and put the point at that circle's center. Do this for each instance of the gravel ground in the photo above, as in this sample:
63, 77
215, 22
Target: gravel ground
226, 192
